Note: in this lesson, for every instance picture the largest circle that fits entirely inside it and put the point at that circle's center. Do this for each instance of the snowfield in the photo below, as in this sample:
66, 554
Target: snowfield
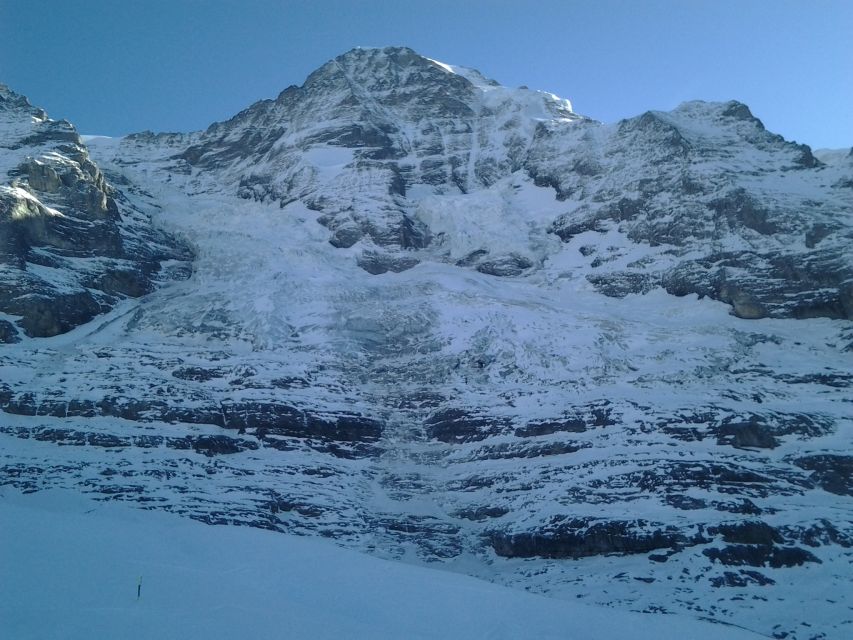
71, 568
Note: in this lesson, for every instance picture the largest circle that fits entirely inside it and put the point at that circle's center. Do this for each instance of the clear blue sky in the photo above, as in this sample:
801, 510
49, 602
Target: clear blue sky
118, 66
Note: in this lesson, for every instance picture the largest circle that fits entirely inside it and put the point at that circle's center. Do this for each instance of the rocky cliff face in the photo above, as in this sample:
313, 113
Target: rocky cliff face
67, 253
433, 318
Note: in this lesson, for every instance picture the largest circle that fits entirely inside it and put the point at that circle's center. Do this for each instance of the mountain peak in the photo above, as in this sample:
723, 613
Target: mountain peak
399, 54
385, 65
401, 75
9, 99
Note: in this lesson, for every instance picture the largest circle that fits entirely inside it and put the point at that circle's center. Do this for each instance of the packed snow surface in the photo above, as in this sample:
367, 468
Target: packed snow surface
78, 567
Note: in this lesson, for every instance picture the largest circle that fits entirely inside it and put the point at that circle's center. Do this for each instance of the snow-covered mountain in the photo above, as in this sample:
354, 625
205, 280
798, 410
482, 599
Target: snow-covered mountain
66, 254
446, 321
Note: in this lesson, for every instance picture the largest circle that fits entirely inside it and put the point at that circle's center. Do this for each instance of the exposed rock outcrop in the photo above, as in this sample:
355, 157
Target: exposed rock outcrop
66, 252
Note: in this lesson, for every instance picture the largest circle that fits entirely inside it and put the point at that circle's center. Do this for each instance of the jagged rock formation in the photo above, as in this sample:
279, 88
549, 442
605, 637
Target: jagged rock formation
66, 252
395, 335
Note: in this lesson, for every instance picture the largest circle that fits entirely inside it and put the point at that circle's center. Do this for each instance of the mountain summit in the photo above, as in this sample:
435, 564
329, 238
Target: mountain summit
446, 321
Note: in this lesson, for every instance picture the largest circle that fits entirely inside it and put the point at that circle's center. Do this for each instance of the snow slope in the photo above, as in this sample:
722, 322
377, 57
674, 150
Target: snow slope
75, 566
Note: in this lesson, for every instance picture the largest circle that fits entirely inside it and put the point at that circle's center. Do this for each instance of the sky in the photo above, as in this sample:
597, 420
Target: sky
115, 67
